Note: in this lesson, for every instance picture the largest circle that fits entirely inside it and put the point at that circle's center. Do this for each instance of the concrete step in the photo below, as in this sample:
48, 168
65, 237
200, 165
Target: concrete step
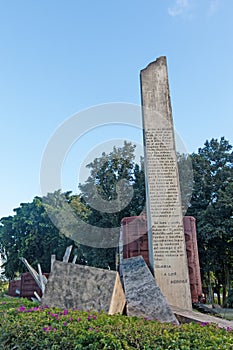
185, 316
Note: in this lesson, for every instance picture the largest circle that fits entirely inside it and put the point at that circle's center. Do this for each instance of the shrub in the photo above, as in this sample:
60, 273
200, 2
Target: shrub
3, 287
26, 326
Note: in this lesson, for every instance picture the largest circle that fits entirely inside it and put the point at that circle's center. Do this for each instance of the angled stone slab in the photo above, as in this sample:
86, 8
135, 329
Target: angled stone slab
84, 287
143, 297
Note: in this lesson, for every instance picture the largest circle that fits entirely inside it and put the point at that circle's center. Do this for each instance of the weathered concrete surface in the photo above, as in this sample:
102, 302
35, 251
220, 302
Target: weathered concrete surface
84, 287
187, 316
143, 296
167, 251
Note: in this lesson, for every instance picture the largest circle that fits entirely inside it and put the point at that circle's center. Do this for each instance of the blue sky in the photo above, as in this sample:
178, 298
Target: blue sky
60, 57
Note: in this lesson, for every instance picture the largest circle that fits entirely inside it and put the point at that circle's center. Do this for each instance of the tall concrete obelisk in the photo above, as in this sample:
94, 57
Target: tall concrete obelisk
166, 235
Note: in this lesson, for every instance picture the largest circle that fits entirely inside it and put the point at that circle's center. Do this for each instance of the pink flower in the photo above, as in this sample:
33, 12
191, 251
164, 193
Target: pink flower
22, 308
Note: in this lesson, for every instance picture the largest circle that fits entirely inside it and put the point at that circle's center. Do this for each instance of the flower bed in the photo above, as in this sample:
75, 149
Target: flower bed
26, 326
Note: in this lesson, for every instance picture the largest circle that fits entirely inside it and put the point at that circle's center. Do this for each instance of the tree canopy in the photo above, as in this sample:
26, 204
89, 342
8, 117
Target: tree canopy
212, 206
115, 189
31, 234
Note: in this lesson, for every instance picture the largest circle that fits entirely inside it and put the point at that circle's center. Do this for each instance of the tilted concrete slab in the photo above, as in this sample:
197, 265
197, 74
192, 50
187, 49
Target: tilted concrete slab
144, 298
187, 316
84, 287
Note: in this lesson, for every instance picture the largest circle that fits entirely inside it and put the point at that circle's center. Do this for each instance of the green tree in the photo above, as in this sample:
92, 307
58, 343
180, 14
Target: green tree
211, 204
115, 189
31, 234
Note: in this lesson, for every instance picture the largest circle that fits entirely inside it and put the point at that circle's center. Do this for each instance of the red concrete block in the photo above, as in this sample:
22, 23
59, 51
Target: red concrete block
192, 256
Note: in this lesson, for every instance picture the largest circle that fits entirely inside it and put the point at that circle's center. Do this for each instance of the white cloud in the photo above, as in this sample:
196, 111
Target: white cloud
179, 8
213, 7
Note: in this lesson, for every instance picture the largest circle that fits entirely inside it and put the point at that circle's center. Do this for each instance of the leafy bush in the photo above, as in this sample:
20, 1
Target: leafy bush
26, 326
3, 287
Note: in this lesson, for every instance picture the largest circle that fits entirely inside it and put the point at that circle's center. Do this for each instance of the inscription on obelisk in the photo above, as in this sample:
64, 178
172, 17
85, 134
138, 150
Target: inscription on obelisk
166, 235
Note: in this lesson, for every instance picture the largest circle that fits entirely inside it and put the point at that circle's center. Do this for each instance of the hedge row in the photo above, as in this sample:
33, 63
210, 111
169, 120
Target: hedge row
26, 326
